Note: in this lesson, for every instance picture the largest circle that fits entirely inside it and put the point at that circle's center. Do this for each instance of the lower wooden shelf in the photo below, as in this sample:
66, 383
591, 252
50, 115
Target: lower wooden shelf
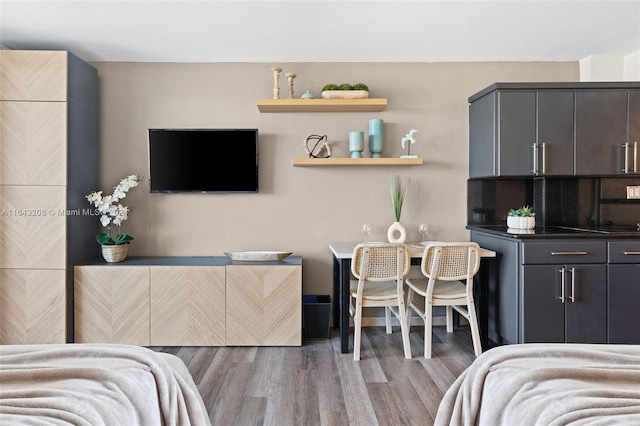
319, 162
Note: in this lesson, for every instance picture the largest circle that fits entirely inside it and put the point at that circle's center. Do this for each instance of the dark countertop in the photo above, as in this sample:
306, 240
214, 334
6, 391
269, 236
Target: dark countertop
558, 232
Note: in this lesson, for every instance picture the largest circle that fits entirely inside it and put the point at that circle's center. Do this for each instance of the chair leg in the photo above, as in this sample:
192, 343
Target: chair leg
428, 332
358, 331
408, 310
387, 314
449, 319
475, 331
404, 328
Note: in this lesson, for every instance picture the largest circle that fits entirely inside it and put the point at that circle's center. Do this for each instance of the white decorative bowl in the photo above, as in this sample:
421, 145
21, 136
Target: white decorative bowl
257, 256
521, 222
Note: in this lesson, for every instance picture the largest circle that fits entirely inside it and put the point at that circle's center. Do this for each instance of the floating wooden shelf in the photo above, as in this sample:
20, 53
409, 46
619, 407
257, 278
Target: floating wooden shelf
322, 105
319, 162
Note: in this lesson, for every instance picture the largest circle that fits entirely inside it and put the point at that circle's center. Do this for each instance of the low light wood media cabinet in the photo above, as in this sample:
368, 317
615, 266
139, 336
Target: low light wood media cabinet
189, 301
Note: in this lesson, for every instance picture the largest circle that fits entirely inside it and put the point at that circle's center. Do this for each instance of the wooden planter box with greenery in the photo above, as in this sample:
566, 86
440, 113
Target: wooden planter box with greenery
345, 91
522, 218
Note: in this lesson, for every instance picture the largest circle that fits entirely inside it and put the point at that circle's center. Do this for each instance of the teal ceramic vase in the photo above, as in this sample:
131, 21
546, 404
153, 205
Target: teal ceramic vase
376, 137
356, 144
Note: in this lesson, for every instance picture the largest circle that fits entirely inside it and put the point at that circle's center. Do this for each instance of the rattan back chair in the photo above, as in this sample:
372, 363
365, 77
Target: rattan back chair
379, 270
448, 269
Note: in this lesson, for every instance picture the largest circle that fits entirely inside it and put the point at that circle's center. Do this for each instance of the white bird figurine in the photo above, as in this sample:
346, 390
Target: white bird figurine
409, 137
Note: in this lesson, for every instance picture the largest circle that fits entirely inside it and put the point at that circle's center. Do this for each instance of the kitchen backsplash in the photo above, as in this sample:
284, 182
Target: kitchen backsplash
556, 201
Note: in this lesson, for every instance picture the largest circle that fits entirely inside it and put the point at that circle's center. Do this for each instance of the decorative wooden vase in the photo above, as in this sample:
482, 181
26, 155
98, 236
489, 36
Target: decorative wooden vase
396, 233
115, 253
515, 222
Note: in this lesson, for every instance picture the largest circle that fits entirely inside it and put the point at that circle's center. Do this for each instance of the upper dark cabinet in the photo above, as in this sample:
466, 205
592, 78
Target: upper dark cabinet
521, 133
602, 124
554, 129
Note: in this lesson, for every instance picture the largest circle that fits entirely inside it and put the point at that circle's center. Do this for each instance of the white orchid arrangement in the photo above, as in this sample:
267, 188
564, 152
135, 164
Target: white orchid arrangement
112, 212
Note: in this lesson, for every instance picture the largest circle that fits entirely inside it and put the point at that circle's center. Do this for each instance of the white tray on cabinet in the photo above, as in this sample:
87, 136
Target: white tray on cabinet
257, 256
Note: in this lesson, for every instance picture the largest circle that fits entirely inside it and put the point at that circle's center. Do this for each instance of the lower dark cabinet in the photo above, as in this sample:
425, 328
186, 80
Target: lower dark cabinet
623, 304
563, 290
564, 304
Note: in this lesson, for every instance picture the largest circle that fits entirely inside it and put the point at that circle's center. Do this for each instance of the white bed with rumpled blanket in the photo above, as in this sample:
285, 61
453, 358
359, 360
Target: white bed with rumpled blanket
96, 384
547, 384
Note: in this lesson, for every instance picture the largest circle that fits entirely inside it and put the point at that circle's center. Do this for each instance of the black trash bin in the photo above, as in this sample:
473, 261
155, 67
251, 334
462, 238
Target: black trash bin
316, 316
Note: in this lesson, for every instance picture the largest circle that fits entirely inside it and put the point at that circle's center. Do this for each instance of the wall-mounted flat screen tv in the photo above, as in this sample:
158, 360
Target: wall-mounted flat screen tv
203, 160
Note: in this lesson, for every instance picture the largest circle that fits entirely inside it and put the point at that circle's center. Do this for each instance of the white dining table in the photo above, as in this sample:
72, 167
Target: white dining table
342, 255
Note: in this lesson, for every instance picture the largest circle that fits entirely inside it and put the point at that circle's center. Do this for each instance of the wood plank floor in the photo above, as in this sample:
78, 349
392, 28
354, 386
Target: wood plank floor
317, 385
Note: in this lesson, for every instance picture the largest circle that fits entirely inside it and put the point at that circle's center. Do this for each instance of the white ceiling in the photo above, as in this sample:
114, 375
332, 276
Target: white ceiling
323, 30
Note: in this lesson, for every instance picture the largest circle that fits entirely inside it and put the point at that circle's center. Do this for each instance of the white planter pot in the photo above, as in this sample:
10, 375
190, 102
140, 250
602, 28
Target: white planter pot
521, 222
345, 94
396, 233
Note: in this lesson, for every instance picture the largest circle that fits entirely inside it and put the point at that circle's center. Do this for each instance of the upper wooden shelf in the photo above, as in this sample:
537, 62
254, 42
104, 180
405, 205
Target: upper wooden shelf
318, 162
322, 105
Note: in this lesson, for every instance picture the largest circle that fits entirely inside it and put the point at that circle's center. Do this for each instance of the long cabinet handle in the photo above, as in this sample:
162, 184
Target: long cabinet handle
544, 158
573, 284
569, 253
635, 157
561, 285
534, 148
631, 253
625, 169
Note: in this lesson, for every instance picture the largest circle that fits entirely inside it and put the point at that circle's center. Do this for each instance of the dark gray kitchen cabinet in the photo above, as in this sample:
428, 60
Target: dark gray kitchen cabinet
555, 129
524, 289
564, 303
564, 292
623, 276
601, 131
521, 133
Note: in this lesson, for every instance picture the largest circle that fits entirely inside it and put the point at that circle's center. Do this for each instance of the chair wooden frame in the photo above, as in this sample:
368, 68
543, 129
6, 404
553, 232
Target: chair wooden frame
379, 269
446, 265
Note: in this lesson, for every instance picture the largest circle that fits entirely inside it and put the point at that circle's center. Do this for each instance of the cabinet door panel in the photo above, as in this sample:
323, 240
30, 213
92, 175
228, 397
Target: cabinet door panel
555, 130
32, 306
634, 130
112, 304
264, 305
187, 305
33, 75
482, 137
624, 294
33, 227
34, 143
601, 130
543, 311
587, 313
517, 132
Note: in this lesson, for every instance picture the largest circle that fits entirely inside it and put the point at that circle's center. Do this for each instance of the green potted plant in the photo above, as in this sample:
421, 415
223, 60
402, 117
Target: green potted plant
398, 191
345, 91
522, 218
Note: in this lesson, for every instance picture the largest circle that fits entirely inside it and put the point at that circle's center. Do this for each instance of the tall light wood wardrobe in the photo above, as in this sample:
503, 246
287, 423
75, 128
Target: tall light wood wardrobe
49, 158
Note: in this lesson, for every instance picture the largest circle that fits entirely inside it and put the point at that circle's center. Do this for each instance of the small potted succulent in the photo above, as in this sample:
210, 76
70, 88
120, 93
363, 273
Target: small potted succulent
345, 91
522, 218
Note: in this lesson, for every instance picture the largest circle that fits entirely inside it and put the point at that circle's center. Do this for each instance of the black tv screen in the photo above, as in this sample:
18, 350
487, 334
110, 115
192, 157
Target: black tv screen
203, 160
